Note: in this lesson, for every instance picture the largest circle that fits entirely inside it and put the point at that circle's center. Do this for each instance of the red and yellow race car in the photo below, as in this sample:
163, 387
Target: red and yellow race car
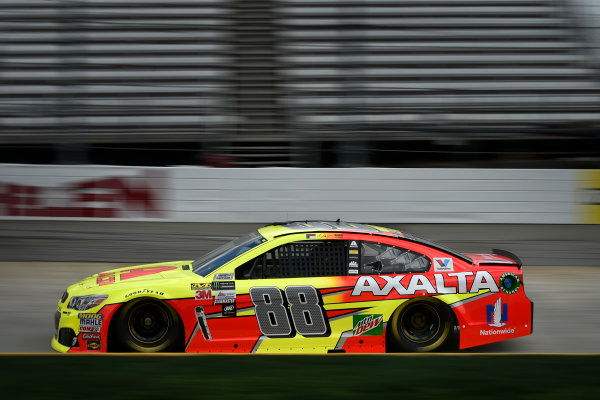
302, 287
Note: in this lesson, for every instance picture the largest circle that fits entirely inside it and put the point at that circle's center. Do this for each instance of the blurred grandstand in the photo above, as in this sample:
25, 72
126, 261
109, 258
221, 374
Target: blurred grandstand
301, 82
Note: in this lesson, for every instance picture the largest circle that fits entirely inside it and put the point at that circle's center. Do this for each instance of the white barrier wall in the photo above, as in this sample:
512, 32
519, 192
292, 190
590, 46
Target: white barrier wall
376, 195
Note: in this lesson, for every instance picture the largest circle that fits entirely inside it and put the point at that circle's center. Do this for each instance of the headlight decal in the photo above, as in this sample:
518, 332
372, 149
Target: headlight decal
82, 303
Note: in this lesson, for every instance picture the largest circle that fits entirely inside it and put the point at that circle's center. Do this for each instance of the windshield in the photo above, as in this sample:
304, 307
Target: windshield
227, 252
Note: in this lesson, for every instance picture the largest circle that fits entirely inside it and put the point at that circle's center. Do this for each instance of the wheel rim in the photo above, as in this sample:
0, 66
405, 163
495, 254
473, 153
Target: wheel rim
420, 323
148, 323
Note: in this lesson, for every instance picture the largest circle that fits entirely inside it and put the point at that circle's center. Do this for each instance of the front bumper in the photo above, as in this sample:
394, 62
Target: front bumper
59, 347
82, 331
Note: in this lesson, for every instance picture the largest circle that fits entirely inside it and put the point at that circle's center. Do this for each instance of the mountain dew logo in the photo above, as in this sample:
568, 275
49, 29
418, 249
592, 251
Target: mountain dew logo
368, 325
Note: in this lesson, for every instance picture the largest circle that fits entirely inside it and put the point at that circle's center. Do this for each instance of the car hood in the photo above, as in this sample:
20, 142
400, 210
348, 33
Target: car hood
146, 272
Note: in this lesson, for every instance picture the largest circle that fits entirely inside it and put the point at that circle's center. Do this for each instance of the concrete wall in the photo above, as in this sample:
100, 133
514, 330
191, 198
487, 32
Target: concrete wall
238, 195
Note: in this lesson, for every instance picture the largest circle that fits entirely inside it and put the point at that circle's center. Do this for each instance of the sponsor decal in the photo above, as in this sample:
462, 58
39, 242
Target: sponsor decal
230, 285
368, 325
509, 283
106, 278
487, 332
145, 291
311, 236
497, 313
224, 301
223, 277
93, 345
353, 244
200, 286
353, 252
443, 265
90, 322
225, 294
91, 336
224, 290
203, 294
353, 265
138, 272
353, 271
229, 310
481, 281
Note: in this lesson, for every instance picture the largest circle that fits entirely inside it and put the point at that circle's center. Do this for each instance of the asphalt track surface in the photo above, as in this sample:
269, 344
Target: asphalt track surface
40, 259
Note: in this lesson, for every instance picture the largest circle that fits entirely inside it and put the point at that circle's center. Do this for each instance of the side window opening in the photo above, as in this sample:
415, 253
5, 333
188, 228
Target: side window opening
379, 258
298, 259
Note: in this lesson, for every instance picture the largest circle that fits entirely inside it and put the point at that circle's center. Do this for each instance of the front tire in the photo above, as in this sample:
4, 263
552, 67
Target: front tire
420, 326
148, 326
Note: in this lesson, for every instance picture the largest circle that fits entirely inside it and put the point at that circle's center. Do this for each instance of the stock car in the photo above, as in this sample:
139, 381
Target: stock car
302, 287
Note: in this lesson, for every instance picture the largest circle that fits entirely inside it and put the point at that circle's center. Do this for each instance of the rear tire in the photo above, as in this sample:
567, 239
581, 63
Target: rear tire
148, 326
420, 326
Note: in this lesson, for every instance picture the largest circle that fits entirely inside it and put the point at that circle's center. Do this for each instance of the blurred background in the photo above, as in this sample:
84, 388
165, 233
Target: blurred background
482, 116
301, 83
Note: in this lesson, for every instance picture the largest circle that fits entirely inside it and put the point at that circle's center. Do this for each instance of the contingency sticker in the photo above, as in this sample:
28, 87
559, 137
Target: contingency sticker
90, 322
93, 345
443, 265
203, 294
224, 292
353, 258
223, 277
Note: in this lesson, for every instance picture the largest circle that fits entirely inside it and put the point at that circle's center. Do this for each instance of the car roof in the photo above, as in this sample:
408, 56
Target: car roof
272, 231
286, 228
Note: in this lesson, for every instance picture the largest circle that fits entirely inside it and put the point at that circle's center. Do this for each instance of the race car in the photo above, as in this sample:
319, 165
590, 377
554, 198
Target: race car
302, 287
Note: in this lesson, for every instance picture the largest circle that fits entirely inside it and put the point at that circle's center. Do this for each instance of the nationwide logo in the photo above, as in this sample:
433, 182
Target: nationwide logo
443, 265
368, 325
505, 331
497, 314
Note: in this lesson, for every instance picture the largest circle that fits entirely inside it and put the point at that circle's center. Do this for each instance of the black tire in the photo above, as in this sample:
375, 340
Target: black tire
420, 326
148, 326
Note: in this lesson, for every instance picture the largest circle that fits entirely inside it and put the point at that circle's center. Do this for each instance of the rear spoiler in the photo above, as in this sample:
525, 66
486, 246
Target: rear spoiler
508, 254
